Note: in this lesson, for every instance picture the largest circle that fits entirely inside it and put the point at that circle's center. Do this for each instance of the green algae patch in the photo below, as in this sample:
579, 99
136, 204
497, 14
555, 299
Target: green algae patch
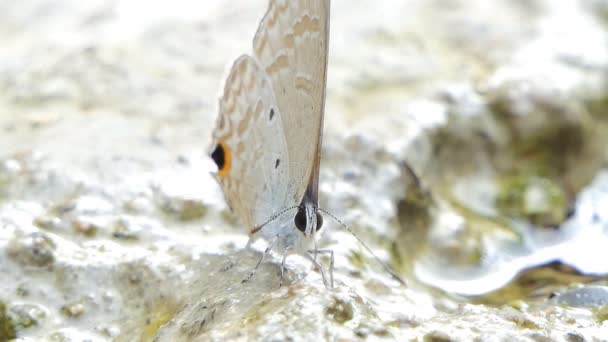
257, 314
539, 200
557, 142
357, 260
26, 315
7, 327
552, 151
598, 107
601, 313
157, 317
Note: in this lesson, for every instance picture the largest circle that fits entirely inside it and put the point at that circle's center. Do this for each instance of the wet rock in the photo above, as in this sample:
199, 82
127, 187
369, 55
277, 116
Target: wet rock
86, 228
112, 331
48, 222
340, 310
73, 310
437, 336
587, 296
184, 209
35, 249
519, 249
521, 319
126, 230
89, 205
575, 337
23, 290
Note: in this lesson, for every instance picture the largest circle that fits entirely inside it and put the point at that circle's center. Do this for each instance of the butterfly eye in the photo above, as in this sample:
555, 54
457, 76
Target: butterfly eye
221, 157
319, 221
300, 220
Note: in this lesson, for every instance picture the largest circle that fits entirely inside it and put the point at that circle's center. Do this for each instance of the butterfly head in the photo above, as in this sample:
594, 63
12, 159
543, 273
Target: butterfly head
308, 220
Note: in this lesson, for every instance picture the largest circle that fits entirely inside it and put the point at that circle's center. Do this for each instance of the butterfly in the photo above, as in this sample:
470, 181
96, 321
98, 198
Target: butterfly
267, 139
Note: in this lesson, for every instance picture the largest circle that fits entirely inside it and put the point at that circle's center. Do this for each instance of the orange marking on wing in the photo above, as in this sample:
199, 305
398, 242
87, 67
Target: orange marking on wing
227, 160
254, 230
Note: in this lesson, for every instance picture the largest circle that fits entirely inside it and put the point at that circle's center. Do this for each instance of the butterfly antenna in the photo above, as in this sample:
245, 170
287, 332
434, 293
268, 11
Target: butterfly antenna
384, 265
272, 218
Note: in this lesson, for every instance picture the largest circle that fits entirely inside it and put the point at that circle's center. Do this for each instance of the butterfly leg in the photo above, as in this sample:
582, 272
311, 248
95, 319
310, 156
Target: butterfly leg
312, 256
250, 242
283, 266
268, 249
319, 266
331, 264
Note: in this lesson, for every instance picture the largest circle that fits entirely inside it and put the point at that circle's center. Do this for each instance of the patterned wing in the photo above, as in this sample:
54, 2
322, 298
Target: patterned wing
249, 145
291, 45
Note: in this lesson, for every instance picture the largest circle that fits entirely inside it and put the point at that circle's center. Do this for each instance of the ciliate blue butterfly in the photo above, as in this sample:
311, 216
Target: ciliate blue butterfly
267, 139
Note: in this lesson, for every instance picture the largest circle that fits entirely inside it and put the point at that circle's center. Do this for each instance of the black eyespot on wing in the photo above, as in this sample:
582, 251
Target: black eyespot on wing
271, 113
276, 164
219, 156
300, 220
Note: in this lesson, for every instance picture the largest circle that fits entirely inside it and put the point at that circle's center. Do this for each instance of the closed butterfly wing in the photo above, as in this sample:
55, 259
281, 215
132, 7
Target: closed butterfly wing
249, 145
291, 45
267, 141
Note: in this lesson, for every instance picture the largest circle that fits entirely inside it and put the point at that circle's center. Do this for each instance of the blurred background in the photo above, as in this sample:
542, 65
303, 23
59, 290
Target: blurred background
466, 142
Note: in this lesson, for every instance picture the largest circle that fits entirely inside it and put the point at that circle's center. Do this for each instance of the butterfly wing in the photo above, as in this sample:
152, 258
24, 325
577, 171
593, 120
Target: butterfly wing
291, 45
249, 145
